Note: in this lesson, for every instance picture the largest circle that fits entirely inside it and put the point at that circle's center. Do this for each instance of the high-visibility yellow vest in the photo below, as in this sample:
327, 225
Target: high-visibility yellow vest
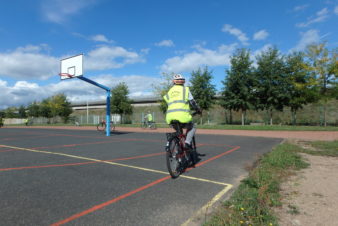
178, 104
150, 117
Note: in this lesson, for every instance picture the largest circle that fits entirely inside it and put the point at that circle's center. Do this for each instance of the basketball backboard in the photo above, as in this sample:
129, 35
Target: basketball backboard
71, 67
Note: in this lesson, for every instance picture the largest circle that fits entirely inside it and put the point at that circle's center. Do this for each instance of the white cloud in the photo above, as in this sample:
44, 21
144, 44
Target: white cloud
28, 62
300, 8
24, 93
321, 16
59, 11
241, 36
166, 43
336, 10
261, 35
200, 57
260, 50
307, 38
110, 57
31, 62
100, 38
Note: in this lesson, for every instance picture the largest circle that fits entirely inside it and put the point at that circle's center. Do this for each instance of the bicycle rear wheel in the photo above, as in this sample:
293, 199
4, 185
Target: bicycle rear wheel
173, 164
112, 127
101, 126
153, 125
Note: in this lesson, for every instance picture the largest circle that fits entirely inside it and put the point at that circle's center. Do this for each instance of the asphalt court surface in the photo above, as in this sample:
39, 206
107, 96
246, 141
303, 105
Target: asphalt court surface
85, 178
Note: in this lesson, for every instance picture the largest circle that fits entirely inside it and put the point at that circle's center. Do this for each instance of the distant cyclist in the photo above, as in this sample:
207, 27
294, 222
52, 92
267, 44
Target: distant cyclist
179, 100
148, 119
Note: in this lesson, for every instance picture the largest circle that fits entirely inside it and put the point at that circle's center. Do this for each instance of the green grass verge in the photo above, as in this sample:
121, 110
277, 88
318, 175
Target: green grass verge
251, 203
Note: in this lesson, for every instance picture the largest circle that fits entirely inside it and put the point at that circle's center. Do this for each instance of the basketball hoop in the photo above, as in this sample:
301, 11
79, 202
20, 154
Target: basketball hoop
65, 76
71, 67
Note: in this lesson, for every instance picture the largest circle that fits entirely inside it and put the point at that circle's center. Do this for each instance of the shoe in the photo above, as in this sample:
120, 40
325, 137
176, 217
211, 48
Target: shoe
194, 157
188, 146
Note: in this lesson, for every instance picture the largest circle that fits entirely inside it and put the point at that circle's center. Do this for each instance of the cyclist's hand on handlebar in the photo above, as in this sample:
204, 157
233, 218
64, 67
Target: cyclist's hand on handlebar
198, 112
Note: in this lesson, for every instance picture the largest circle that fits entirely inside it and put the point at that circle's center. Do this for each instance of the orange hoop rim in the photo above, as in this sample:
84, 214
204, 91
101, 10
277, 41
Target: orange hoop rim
64, 76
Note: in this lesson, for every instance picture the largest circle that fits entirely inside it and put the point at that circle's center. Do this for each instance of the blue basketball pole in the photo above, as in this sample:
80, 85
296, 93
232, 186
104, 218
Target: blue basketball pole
107, 101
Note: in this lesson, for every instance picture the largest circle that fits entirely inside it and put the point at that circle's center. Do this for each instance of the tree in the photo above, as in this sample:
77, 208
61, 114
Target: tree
11, 112
22, 112
162, 89
201, 88
272, 88
45, 108
324, 66
59, 106
302, 83
34, 109
120, 103
238, 85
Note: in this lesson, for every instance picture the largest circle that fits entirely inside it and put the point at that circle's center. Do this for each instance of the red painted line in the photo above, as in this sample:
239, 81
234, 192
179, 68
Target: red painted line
217, 156
102, 205
97, 142
80, 163
28, 137
7, 150
46, 166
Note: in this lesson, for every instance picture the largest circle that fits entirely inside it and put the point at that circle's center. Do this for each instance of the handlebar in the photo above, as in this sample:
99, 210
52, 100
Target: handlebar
196, 113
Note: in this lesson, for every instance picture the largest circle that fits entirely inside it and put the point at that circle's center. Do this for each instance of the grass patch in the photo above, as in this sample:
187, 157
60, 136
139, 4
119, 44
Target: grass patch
324, 148
251, 203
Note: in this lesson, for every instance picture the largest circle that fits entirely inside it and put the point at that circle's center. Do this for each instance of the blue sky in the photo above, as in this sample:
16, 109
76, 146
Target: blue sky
136, 41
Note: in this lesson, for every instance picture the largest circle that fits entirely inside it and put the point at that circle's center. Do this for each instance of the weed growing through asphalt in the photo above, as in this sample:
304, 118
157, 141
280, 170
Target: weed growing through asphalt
251, 203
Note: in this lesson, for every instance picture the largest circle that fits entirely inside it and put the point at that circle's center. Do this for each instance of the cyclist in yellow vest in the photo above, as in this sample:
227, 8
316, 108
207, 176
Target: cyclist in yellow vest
149, 118
179, 99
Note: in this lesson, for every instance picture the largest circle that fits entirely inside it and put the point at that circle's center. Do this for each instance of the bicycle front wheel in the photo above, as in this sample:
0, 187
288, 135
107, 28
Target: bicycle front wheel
173, 164
143, 125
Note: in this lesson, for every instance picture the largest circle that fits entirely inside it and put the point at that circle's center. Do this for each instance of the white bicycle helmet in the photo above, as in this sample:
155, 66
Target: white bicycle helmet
178, 79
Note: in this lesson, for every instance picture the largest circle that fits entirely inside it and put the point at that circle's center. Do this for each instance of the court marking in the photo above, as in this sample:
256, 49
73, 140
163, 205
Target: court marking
102, 205
79, 163
128, 166
84, 163
207, 206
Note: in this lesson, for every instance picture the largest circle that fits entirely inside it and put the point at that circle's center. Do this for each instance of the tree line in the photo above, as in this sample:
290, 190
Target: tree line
271, 81
50, 107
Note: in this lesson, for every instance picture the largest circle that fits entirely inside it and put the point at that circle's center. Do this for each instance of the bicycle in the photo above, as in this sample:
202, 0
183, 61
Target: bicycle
150, 125
29, 122
178, 158
102, 126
